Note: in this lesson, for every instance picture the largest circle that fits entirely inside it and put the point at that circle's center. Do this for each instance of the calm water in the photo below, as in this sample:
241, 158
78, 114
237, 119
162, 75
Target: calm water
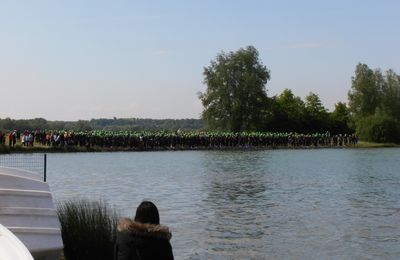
282, 204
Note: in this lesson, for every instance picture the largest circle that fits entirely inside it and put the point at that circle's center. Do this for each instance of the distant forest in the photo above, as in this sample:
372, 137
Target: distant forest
115, 124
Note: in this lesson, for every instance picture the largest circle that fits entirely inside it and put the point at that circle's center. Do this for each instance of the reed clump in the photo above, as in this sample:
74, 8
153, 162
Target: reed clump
88, 229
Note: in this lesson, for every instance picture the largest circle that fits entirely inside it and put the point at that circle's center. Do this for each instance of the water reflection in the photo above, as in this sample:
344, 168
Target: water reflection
237, 198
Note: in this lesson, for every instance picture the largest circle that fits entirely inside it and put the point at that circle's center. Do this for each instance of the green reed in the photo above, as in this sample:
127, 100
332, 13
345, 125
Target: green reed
88, 229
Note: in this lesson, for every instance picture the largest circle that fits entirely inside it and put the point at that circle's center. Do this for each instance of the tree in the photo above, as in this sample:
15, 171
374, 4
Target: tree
236, 97
339, 119
364, 96
316, 113
83, 125
8, 124
391, 94
379, 128
289, 112
37, 123
374, 103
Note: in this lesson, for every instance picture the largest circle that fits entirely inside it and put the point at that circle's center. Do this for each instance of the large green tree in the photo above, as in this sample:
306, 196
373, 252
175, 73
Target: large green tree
364, 96
236, 97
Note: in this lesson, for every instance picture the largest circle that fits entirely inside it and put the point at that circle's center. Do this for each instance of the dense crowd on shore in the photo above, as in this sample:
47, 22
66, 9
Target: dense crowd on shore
148, 140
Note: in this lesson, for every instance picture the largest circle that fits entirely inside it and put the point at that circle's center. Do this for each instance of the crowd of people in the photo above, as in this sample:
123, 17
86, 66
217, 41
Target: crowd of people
148, 140
26, 138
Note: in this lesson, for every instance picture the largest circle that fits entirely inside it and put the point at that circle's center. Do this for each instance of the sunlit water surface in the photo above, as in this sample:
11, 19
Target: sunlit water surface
276, 204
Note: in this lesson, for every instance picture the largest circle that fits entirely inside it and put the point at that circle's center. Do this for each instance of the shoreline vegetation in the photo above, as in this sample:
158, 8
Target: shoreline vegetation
4, 149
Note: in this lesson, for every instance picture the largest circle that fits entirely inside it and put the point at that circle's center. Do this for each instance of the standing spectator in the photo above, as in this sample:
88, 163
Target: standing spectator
30, 139
10, 139
14, 138
23, 139
33, 137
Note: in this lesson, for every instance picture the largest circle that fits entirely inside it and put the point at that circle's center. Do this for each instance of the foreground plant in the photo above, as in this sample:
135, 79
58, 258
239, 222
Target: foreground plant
88, 229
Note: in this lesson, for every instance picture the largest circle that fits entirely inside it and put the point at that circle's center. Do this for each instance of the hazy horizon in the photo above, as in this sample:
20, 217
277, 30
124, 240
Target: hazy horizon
79, 60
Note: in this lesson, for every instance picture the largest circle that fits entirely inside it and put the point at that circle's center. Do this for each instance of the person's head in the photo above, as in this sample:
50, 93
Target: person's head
147, 212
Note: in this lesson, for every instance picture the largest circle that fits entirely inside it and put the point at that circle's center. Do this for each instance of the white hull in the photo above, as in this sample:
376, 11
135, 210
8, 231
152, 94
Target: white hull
11, 248
27, 210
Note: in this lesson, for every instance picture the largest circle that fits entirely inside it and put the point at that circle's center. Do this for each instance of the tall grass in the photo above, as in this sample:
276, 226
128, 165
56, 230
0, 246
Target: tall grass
88, 229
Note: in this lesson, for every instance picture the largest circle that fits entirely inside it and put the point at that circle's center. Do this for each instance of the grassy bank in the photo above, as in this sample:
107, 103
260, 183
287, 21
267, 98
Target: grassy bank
363, 144
5, 149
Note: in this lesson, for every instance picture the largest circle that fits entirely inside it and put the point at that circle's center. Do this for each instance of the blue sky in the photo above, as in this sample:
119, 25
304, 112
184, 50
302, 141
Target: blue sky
69, 60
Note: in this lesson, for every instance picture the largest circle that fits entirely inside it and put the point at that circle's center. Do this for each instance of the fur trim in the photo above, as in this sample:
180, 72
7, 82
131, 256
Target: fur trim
144, 229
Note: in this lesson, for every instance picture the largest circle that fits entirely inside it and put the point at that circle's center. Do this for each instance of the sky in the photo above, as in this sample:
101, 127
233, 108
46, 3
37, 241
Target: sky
70, 60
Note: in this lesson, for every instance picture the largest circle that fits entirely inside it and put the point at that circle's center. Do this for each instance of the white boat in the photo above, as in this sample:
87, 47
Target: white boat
11, 248
27, 210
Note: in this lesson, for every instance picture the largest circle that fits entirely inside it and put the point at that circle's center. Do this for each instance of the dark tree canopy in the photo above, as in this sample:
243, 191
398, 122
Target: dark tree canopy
339, 119
288, 112
316, 114
236, 97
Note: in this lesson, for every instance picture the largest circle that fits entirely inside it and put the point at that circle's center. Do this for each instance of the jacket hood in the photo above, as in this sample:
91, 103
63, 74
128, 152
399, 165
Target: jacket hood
127, 225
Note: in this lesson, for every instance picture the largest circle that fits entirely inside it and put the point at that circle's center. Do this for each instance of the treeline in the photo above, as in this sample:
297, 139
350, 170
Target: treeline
115, 124
373, 111
289, 113
236, 100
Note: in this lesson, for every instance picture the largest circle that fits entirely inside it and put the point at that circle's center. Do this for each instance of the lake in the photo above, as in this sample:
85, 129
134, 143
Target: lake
272, 204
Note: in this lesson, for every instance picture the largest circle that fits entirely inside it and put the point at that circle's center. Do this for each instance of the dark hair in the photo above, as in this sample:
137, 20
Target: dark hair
147, 212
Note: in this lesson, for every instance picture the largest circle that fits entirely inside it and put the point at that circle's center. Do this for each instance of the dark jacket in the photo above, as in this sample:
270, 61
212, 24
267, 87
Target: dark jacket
140, 241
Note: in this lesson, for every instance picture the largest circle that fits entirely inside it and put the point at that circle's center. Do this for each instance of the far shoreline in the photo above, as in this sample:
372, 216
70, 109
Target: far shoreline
4, 149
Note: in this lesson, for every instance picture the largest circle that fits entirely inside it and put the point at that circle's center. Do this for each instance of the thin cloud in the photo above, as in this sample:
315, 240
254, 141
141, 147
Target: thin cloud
161, 52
